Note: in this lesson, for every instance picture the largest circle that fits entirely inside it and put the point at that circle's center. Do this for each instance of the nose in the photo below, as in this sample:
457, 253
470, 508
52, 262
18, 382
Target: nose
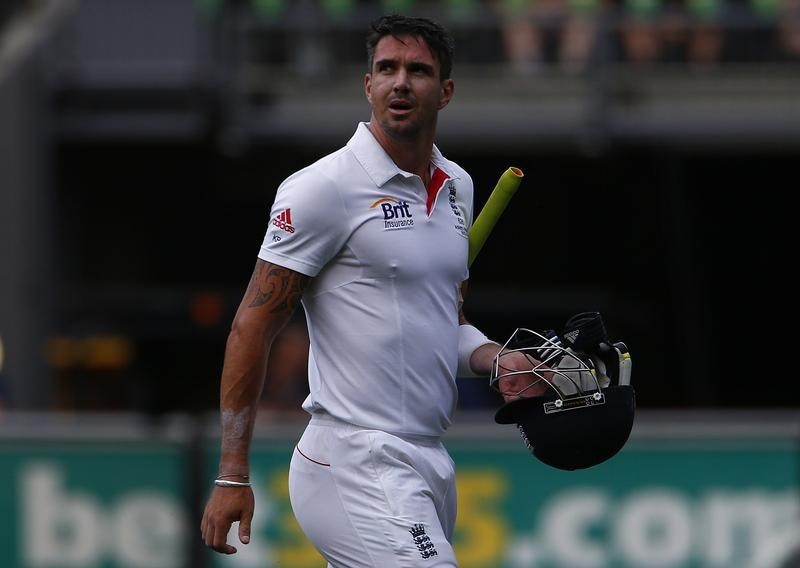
401, 81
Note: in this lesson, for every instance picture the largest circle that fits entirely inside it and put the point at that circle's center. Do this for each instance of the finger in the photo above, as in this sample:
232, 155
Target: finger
204, 524
219, 539
244, 526
208, 535
532, 360
226, 548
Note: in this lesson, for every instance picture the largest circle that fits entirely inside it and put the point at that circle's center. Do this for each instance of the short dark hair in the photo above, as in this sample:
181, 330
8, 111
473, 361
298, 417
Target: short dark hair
438, 39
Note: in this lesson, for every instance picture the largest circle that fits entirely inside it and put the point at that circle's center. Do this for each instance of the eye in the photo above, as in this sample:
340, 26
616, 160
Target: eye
420, 69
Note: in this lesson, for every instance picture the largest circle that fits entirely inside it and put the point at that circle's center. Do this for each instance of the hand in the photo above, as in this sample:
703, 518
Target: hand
521, 385
226, 506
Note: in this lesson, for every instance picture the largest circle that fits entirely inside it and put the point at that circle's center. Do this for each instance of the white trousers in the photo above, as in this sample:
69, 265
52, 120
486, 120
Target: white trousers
368, 499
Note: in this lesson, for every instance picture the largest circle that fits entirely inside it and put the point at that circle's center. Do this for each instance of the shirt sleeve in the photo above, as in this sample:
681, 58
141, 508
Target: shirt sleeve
308, 223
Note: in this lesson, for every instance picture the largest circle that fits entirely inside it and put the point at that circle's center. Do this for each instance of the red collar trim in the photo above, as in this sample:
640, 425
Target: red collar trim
437, 181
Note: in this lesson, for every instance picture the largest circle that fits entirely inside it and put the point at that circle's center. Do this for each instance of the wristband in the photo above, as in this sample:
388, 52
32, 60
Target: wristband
227, 483
469, 339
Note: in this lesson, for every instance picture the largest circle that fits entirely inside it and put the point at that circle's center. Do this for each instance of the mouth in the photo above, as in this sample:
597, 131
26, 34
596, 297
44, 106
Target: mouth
400, 106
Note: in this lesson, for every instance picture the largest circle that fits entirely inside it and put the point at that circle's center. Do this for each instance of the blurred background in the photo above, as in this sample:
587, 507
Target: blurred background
141, 144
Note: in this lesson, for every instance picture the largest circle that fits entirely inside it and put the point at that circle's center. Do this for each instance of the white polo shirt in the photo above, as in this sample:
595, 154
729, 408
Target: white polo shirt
382, 308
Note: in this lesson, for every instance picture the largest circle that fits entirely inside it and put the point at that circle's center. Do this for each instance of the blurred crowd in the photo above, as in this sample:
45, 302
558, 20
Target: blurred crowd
529, 35
641, 32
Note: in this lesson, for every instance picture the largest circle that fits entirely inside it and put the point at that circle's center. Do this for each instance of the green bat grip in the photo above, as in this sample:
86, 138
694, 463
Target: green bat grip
498, 200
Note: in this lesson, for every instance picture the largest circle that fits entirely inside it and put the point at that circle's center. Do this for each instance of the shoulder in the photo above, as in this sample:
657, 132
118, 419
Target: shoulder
320, 181
459, 172
462, 178
318, 175
463, 182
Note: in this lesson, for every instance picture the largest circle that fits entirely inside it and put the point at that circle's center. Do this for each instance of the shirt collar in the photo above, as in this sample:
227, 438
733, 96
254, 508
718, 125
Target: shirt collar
439, 161
377, 163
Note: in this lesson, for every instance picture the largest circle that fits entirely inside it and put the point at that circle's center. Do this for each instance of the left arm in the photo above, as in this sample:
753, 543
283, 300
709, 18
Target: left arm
480, 354
481, 357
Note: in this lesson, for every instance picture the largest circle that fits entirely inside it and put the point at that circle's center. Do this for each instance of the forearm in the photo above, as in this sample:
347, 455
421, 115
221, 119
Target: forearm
268, 303
482, 358
240, 390
476, 352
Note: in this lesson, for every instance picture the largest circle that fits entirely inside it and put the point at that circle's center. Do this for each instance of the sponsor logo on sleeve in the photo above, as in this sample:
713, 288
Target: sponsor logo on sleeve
284, 221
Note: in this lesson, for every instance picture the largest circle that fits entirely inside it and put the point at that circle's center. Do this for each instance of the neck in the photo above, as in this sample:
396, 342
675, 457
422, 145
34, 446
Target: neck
412, 154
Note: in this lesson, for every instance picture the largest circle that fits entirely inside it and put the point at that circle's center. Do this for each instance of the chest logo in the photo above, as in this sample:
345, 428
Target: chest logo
422, 541
396, 213
460, 225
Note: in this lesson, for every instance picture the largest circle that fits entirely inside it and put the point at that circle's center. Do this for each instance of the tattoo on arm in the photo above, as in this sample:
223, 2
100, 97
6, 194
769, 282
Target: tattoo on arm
276, 288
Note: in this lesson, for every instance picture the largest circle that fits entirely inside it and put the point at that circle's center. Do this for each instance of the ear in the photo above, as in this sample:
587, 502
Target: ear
368, 87
446, 93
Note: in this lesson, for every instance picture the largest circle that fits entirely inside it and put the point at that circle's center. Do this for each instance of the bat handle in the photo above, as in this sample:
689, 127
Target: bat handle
501, 195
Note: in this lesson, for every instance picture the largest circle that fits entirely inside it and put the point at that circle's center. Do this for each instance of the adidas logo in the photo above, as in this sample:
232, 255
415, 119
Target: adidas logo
572, 335
284, 221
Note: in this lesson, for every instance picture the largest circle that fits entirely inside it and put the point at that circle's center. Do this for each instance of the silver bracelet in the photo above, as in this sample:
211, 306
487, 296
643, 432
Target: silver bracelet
226, 483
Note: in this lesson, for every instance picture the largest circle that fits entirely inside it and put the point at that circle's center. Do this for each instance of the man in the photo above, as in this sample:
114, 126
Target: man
373, 238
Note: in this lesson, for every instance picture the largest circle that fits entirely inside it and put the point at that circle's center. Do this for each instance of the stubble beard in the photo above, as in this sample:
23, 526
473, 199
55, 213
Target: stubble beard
402, 132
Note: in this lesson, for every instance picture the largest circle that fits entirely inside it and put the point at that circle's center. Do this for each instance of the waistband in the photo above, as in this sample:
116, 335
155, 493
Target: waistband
323, 418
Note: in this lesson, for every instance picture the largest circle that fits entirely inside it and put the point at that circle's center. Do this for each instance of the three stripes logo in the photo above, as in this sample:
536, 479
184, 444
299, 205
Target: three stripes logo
572, 336
284, 221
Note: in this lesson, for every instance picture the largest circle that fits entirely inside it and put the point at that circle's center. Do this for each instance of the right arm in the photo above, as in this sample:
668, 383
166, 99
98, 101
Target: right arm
271, 297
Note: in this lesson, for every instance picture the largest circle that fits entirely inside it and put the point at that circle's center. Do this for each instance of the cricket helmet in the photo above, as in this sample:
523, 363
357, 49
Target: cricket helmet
585, 415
